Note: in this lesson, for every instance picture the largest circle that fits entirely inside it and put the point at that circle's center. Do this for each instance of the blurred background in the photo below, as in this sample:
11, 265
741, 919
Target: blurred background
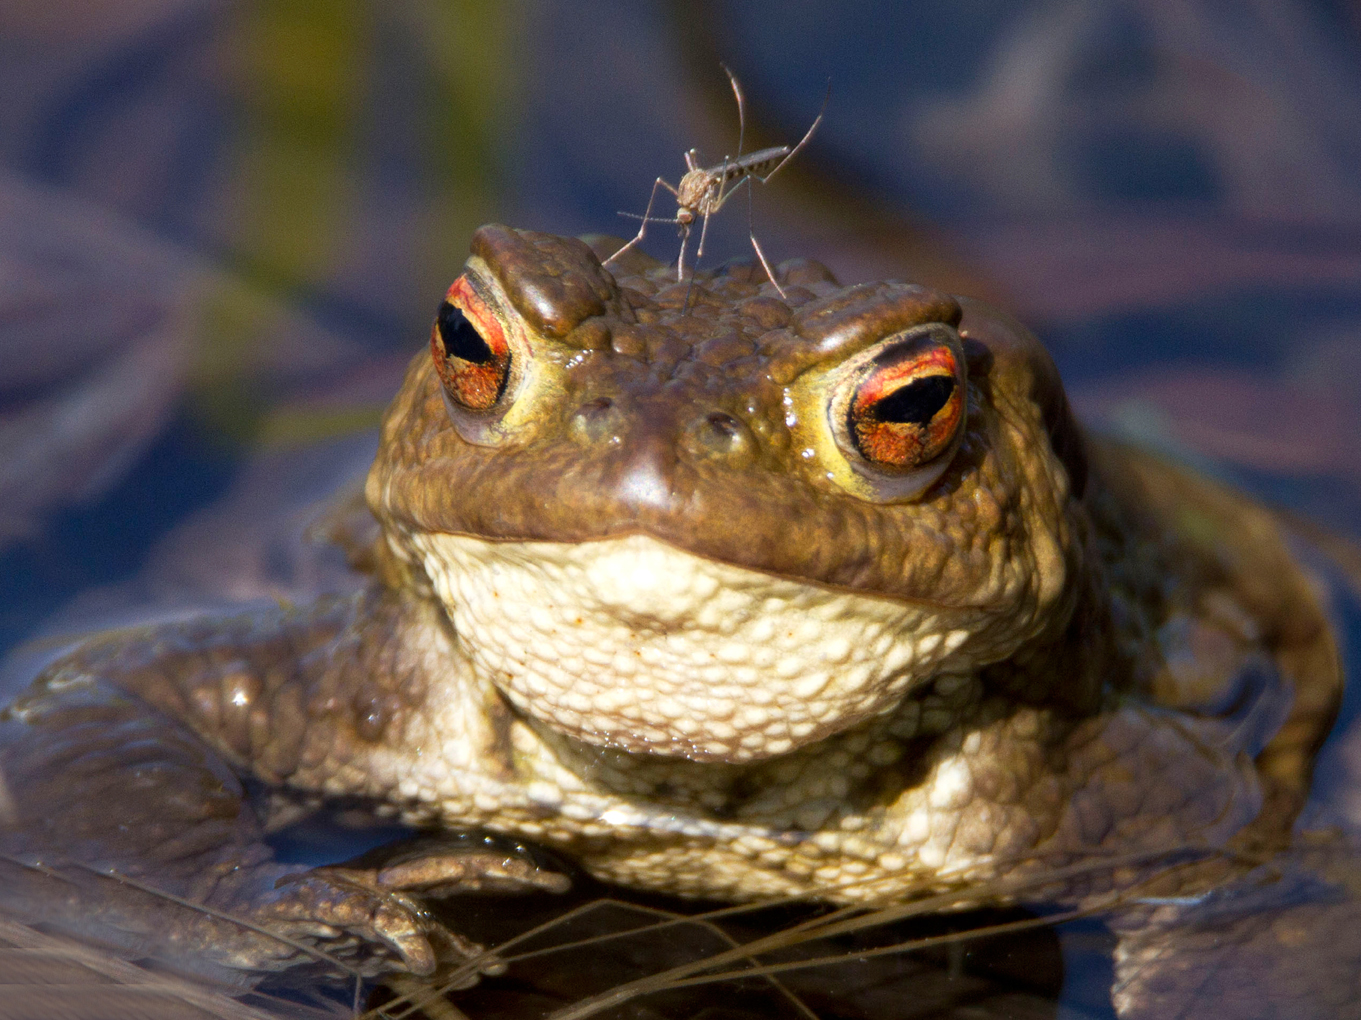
225, 224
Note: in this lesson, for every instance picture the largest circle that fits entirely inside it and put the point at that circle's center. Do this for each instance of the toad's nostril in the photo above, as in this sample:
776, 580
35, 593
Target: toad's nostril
724, 425
718, 434
598, 421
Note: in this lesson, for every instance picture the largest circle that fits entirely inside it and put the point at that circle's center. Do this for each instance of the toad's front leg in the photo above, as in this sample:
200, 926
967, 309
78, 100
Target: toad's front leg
122, 810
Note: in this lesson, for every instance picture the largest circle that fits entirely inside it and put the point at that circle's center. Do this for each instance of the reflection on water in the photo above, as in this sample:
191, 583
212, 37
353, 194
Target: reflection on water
224, 225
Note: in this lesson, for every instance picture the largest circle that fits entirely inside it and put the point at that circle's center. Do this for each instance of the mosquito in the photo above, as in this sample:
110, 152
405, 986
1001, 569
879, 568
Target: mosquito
704, 190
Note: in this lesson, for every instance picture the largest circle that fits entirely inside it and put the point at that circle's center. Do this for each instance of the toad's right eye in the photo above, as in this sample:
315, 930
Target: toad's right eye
470, 350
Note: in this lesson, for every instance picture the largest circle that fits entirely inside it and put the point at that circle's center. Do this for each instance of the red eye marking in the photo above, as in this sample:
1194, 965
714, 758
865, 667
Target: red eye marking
469, 348
907, 410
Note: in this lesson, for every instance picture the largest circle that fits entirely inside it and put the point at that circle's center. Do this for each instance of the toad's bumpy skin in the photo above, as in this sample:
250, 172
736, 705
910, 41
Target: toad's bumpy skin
720, 594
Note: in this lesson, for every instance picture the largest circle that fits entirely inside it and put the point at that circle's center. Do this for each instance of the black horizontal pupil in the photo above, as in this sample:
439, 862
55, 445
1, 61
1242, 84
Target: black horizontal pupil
461, 339
917, 402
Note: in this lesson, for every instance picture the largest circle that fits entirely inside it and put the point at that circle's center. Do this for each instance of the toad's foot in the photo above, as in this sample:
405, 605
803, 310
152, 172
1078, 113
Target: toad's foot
1279, 942
453, 863
373, 916
344, 916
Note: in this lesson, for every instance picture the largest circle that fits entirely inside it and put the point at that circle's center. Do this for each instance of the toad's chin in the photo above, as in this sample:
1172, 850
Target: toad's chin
633, 644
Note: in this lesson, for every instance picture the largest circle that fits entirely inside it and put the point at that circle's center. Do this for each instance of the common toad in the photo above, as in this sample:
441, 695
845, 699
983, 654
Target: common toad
718, 593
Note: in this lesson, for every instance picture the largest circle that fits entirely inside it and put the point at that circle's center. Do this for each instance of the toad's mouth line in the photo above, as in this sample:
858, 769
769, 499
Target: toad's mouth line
632, 644
532, 544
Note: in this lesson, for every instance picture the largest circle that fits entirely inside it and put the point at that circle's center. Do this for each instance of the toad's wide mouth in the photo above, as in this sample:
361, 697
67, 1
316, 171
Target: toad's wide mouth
634, 644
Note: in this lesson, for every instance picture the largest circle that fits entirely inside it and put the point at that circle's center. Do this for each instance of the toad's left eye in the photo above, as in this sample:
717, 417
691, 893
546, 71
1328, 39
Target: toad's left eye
908, 407
470, 350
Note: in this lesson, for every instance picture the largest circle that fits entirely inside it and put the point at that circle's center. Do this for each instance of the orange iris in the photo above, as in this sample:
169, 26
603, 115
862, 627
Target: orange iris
907, 410
469, 348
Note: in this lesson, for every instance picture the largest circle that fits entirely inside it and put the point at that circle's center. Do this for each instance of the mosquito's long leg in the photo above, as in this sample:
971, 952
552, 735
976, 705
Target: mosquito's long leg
741, 136
646, 219
699, 254
807, 135
765, 264
751, 233
713, 207
685, 240
649, 219
741, 107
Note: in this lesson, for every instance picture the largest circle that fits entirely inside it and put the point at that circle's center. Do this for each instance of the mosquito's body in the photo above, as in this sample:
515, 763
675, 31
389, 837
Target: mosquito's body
703, 190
